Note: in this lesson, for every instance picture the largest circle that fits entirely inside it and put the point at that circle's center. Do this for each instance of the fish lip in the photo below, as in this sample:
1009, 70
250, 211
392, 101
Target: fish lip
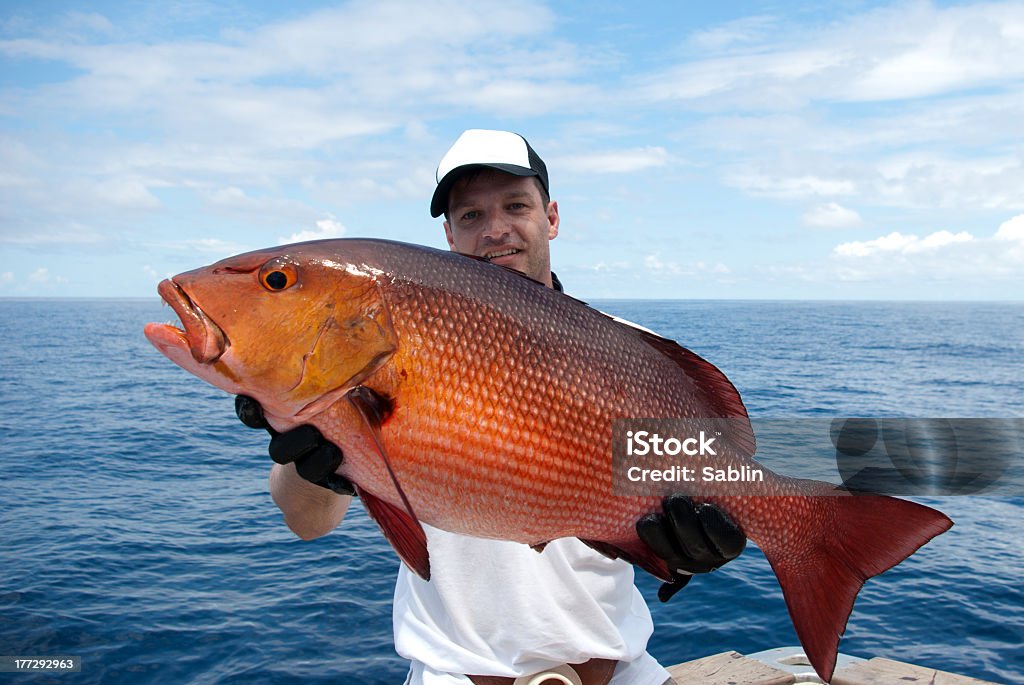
206, 340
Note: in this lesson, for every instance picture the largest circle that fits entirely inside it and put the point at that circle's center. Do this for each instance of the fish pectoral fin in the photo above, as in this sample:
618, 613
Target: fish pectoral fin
403, 532
635, 552
400, 525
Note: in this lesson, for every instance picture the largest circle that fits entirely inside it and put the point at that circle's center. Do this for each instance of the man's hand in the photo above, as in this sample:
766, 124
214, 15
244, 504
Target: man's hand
692, 539
315, 458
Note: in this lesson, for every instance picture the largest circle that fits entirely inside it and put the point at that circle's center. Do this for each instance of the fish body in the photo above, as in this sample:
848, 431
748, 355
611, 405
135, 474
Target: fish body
478, 401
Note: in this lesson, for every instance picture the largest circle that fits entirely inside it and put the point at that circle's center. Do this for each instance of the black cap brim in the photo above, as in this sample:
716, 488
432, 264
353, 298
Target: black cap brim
439, 202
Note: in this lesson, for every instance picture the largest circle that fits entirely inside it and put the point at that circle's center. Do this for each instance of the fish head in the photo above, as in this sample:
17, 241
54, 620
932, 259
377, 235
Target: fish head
294, 327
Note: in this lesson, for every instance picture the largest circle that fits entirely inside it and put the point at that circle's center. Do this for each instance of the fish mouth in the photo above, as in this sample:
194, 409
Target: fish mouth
204, 338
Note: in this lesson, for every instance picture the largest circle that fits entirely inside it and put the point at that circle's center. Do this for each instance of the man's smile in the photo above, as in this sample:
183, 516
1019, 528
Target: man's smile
497, 254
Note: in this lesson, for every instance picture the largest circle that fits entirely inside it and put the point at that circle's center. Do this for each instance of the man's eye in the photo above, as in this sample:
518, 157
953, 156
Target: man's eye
516, 206
469, 216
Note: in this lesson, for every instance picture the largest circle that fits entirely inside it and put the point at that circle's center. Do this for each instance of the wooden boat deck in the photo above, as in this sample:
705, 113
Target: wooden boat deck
732, 668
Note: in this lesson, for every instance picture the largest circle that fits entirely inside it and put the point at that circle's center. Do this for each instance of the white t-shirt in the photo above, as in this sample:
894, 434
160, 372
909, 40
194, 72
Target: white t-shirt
494, 607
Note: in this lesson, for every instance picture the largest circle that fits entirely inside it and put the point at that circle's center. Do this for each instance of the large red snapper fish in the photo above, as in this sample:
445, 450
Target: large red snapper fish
474, 399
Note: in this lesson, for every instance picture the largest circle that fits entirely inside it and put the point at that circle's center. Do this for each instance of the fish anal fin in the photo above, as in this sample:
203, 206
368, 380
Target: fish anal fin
403, 532
635, 552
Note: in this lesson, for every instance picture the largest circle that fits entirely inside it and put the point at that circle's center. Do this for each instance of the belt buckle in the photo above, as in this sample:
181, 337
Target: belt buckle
560, 675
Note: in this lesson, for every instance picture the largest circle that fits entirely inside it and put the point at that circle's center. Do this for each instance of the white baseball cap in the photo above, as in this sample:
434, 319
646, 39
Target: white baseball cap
475, 148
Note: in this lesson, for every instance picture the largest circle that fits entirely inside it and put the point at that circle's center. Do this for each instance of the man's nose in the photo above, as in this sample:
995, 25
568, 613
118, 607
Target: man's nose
496, 229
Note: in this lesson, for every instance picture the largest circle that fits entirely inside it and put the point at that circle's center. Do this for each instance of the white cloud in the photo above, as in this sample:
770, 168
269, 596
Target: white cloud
941, 239
54, 237
212, 248
89, 21
957, 47
42, 277
868, 57
930, 180
787, 169
7, 277
778, 102
328, 75
140, 129
242, 117
506, 95
213, 245
781, 186
933, 265
325, 228
608, 267
764, 78
654, 264
831, 215
257, 208
616, 161
123, 192
716, 268
941, 256
984, 117
897, 243
741, 31
1012, 230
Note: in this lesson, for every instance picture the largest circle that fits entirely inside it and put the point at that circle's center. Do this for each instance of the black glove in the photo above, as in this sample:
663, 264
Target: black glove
315, 458
692, 539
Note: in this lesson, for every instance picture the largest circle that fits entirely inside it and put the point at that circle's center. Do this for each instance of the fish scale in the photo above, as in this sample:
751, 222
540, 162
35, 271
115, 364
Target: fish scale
473, 399
588, 407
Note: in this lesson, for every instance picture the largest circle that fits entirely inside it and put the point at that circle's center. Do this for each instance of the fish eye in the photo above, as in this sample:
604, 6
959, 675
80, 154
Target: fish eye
276, 280
278, 274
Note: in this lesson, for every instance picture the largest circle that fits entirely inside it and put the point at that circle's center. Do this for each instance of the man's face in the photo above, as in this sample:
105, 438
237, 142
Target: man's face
503, 218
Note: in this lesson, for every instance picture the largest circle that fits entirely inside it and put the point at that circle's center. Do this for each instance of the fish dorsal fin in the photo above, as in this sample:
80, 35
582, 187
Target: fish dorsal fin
400, 525
718, 391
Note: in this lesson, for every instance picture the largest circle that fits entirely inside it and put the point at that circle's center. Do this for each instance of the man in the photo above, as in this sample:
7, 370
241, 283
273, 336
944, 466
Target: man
494, 610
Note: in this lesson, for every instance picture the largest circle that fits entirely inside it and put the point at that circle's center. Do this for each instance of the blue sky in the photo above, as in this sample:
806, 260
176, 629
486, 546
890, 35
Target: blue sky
845, 150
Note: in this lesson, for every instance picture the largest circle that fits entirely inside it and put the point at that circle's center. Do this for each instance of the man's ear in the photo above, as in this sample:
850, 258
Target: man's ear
553, 220
448, 236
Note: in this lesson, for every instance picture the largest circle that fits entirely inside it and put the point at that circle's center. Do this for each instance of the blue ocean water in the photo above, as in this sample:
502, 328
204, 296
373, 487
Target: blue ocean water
138, 534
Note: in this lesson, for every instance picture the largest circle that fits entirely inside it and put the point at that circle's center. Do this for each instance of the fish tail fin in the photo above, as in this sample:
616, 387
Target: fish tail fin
822, 572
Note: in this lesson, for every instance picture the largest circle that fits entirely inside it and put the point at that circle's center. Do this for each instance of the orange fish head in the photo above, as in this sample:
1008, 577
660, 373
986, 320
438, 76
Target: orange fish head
295, 327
